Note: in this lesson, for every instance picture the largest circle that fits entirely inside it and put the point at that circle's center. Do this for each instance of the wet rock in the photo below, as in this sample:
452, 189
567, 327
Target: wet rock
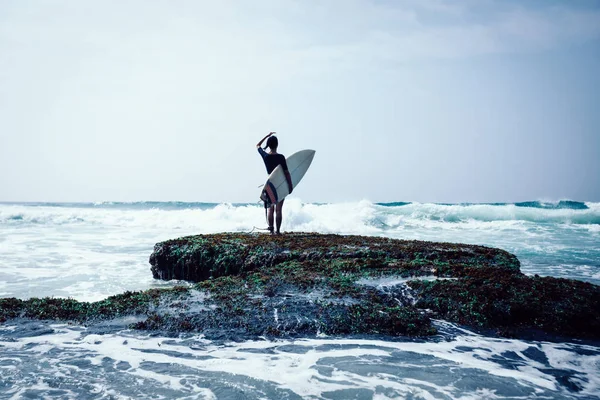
201, 257
251, 285
515, 304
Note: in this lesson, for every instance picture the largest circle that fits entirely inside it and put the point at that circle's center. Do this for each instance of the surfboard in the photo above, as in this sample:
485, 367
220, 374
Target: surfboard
276, 187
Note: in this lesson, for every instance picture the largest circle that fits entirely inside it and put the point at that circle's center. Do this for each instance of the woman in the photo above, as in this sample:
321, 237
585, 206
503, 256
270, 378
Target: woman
272, 159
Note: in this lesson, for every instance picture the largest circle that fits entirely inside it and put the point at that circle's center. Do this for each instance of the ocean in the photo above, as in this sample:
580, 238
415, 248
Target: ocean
88, 251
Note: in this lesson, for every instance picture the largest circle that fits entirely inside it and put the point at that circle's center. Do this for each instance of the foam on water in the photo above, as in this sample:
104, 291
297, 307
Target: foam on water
70, 362
333, 217
78, 252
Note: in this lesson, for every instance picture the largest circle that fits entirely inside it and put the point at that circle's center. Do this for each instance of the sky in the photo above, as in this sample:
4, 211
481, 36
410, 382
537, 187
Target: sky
407, 100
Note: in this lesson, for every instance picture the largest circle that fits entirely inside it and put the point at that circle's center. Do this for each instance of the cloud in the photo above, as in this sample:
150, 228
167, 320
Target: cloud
443, 30
132, 93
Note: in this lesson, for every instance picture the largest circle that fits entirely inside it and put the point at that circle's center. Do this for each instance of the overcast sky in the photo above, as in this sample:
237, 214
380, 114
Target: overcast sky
408, 100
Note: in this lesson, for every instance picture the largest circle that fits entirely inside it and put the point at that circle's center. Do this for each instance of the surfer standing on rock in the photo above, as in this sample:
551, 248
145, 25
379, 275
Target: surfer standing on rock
272, 159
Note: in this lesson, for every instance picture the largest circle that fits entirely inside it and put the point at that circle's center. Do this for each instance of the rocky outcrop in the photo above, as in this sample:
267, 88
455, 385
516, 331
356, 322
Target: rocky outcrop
197, 258
249, 285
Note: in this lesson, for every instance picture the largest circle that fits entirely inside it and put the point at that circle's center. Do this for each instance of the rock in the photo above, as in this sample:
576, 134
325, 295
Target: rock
202, 257
515, 304
302, 284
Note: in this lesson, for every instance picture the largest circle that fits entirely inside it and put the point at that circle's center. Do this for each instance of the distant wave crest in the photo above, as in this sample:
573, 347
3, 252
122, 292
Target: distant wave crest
564, 212
560, 205
355, 217
563, 204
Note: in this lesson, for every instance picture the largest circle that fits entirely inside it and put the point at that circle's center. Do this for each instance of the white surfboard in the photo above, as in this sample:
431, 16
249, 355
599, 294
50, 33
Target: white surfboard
276, 187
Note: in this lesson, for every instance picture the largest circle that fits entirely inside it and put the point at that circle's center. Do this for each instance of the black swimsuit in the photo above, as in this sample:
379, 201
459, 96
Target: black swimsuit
272, 160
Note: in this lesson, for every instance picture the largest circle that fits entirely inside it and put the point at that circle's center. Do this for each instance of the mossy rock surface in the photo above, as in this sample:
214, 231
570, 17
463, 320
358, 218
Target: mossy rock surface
197, 258
515, 303
302, 284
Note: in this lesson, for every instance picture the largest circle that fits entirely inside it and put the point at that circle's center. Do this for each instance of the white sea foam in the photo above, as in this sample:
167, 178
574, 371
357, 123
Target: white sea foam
311, 368
338, 217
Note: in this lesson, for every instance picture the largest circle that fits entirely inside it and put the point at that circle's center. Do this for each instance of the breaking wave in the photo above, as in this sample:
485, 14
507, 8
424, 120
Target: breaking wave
562, 204
564, 212
336, 217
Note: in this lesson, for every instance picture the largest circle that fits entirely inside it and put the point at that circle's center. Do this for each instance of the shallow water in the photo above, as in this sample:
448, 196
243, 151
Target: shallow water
61, 361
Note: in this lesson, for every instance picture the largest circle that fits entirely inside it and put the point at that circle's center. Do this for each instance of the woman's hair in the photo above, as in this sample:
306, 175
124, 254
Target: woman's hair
272, 142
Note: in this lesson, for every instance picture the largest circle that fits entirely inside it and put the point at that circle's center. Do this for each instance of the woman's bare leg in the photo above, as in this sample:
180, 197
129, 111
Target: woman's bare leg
270, 218
279, 216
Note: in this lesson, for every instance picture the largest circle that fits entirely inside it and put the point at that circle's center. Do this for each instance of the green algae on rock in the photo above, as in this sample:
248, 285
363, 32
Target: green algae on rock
306, 284
60, 309
488, 291
197, 258
513, 303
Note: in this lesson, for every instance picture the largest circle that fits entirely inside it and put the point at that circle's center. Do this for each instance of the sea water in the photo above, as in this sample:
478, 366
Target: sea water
89, 251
